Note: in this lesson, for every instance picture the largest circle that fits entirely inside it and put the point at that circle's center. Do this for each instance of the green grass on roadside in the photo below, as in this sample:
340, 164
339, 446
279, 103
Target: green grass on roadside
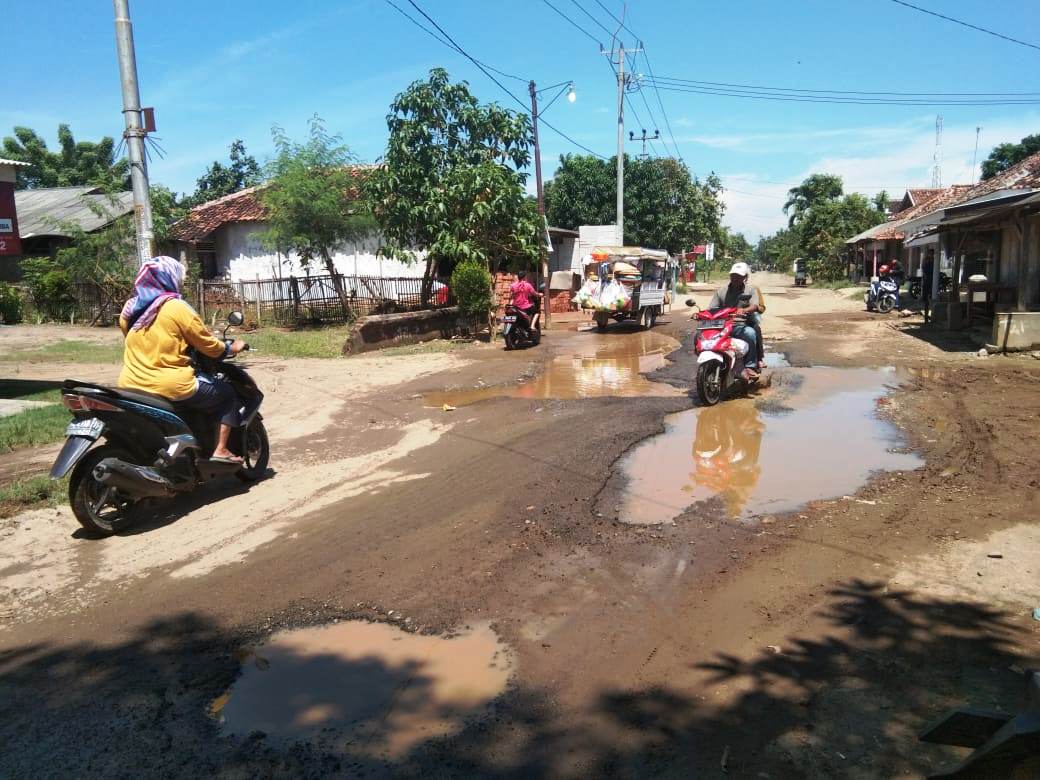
33, 427
838, 284
32, 493
427, 348
30, 389
71, 351
310, 343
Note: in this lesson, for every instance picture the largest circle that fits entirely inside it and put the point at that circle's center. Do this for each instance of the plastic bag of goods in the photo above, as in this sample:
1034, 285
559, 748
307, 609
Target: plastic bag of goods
587, 294
613, 297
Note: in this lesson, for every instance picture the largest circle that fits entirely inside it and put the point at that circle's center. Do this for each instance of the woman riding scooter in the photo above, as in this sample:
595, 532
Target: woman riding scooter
524, 297
160, 327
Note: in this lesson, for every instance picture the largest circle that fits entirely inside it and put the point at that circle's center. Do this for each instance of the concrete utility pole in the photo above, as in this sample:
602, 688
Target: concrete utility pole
622, 84
544, 251
135, 132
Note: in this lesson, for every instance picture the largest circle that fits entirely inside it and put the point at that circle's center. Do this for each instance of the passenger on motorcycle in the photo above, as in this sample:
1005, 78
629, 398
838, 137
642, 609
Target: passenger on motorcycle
729, 296
524, 296
160, 326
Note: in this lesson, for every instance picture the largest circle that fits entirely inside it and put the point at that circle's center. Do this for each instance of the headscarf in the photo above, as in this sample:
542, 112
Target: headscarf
158, 281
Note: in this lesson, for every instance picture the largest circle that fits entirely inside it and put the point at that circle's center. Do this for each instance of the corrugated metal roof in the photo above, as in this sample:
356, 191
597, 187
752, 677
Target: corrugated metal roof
16, 163
43, 212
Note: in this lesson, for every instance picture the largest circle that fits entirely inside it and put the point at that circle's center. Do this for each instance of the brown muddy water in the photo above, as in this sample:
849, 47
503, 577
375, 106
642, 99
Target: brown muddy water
823, 442
593, 365
367, 685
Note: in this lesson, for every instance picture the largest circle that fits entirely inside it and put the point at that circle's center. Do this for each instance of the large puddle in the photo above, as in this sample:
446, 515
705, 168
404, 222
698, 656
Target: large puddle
595, 365
824, 443
368, 686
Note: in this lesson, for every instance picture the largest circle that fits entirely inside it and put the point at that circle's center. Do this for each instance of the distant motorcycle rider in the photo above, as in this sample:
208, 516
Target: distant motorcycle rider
524, 297
729, 297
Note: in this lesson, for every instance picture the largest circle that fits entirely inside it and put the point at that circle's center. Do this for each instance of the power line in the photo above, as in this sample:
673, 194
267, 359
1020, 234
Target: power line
501, 86
839, 92
441, 40
796, 98
575, 24
966, 24
593, 18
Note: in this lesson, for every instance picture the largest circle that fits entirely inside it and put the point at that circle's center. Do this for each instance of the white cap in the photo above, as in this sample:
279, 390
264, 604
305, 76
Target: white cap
741, 269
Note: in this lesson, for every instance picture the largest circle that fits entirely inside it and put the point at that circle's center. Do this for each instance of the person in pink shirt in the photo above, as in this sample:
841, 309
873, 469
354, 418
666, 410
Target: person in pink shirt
524, 296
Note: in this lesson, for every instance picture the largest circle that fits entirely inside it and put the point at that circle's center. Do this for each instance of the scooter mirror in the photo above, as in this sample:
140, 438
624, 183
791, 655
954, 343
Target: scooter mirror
236, 318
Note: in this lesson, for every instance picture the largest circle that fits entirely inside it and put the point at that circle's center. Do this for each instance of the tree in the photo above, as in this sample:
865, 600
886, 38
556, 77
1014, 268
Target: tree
815, 190
778, 251
881, 202
77, 163
1005, 155
219, 179
452, 181
665, 207
826, 228
313, 201
166, 210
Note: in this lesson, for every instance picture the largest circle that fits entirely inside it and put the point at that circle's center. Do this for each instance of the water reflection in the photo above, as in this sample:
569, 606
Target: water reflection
725, 453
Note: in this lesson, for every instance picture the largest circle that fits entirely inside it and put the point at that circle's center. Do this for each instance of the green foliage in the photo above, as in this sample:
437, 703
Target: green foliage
305, 343
50, 287
77, 163
166, 210
1005, 155
451, 181
10, 305
219, 179
312, 199
778, 251
881, 202
665, 207
32, 491
33, 427
471, 283
817, 189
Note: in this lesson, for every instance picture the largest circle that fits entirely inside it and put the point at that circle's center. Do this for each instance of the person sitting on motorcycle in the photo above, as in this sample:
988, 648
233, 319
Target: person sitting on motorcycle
729, 297
159, 326
524, 296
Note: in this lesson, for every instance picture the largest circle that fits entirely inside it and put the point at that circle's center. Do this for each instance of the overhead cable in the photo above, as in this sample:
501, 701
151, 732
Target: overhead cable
966, 24
577, 26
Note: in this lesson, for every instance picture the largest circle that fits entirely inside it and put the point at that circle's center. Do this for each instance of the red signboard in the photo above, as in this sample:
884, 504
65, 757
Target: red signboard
10, 244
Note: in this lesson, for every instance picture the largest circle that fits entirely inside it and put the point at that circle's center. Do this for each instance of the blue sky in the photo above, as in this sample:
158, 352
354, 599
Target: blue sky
216, 71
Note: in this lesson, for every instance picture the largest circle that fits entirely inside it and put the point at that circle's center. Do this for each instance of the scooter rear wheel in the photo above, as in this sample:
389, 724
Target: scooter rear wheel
709, 383
99, 508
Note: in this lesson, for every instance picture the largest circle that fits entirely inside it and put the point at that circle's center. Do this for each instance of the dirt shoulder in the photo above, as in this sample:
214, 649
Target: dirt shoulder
813, 644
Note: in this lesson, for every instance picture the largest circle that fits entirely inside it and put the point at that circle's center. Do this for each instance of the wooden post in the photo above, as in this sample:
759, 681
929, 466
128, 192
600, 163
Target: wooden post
294, 287
258, 300
202, 300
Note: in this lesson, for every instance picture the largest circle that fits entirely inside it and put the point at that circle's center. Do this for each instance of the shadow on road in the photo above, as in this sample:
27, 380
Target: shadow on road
846, 703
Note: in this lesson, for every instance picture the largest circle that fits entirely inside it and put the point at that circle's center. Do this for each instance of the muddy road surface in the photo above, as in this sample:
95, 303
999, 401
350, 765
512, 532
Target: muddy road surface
574, 572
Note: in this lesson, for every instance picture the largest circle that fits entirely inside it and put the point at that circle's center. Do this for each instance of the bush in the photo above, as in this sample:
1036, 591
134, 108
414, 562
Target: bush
471, 284
50, 287
10, 305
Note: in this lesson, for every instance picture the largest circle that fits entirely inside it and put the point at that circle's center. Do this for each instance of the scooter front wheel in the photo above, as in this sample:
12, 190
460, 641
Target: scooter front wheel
886, 304
709, 383
256, 452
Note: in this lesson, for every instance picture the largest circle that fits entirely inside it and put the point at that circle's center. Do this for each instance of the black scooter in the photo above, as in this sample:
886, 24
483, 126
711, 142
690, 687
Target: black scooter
152, 448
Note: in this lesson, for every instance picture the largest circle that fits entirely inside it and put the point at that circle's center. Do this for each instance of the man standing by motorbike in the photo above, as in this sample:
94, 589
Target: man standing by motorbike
730, 297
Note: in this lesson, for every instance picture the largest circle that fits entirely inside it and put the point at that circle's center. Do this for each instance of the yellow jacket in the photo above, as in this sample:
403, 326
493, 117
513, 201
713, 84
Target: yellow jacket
155, 359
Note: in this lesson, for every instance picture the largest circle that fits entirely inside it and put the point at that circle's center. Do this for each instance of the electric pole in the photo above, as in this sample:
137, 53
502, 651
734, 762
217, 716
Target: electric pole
544, 250
937, 169
644, 138
975, 159
621, 85
135, 132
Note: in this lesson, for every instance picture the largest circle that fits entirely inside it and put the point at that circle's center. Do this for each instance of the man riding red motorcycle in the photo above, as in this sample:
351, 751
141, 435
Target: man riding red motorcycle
748, 303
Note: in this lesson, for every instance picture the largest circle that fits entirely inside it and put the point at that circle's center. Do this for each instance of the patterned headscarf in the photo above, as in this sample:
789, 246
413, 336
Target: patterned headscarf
158, 281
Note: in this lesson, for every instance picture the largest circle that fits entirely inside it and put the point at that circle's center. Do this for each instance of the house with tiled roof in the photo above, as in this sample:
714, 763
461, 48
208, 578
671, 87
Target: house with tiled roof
884, 243
225, 237
988, 240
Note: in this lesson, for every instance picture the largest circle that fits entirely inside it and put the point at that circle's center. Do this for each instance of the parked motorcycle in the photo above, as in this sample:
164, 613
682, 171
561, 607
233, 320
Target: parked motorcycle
882, 295
520, 330
718, 352
915, 285
151, 449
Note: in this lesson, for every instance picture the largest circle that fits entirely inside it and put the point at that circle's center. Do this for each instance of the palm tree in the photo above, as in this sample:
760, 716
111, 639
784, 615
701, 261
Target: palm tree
818, 188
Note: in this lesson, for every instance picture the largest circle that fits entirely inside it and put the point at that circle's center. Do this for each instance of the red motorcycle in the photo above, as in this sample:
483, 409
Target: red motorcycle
718, 353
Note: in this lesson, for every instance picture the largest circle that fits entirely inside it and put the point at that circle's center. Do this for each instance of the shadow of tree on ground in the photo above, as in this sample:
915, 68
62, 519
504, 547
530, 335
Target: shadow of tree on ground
846, 703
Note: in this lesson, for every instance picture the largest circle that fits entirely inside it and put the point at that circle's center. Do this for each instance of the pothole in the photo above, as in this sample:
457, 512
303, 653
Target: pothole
371, 688
594, 365
825, 442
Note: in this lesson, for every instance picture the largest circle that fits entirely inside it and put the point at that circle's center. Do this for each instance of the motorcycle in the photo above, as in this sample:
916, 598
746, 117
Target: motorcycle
718, 352
915, 285
151, 448
519, 330
883, 295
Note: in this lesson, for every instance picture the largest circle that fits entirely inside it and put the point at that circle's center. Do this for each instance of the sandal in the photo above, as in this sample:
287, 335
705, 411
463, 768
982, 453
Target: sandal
227, 459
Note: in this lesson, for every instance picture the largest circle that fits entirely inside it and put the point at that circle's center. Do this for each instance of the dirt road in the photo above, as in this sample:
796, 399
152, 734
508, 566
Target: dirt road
582, 618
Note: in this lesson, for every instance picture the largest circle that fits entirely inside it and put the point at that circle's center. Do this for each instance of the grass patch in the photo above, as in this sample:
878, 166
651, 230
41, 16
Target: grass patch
31, 493
428, 348
72, 351
30, 389
836, 284
33, 427
316, 343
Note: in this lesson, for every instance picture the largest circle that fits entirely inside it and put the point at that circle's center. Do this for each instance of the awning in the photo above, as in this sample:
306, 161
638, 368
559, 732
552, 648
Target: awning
924, 238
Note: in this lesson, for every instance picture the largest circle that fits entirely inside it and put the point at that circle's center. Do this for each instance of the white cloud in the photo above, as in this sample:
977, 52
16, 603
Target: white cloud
868, 159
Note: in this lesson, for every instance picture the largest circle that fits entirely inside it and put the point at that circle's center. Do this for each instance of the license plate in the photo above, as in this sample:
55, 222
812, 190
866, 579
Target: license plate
711, 325
509, 319
91, 428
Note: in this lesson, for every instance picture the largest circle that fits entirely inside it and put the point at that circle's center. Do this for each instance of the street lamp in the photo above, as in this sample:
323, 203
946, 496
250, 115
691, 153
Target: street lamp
568, 87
